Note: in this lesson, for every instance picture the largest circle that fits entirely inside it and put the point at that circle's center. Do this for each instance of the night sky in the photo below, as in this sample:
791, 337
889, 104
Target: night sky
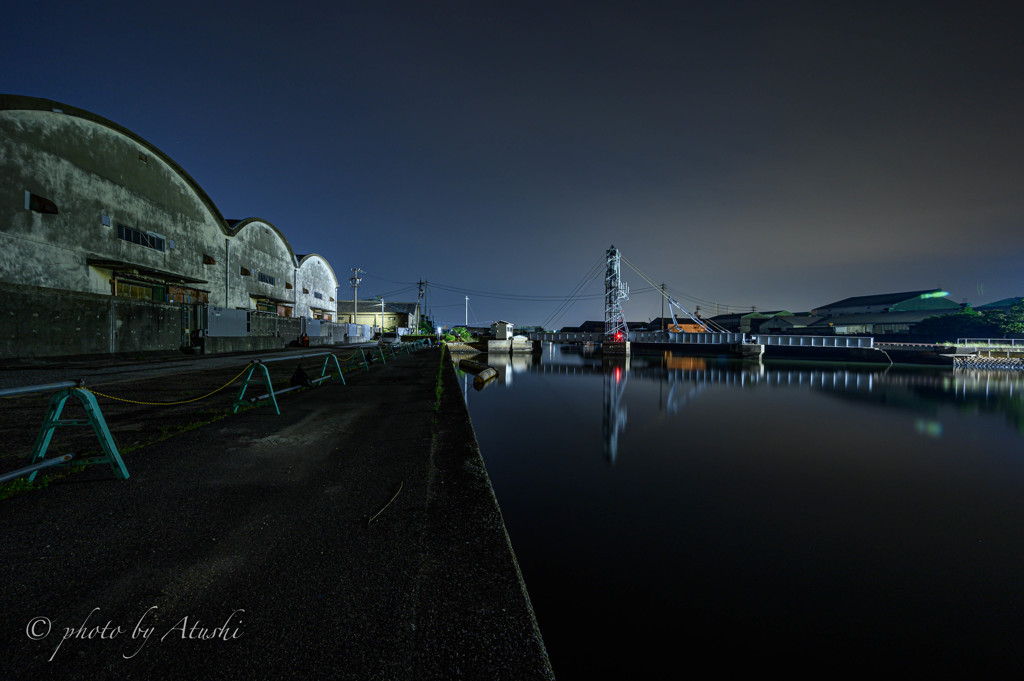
781, 155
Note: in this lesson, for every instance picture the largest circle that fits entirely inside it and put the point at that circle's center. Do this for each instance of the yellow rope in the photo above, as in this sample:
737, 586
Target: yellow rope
195, 399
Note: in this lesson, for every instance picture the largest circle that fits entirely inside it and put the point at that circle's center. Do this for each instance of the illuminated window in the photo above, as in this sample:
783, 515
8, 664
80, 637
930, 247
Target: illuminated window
136, 236
131, 289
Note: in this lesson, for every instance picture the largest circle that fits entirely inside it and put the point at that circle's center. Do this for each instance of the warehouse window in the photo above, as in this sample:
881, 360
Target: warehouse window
318, 295
244, 271
38, 204
136, 236
267, 279
140, 291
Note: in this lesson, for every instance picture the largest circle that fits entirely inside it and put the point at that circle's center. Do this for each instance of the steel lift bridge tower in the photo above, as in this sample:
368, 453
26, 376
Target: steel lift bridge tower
615, 291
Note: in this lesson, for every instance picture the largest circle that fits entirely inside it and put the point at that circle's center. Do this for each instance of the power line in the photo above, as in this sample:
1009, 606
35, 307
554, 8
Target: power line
573, 296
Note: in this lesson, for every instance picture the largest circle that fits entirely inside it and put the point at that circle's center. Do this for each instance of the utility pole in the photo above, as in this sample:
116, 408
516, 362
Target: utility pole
467, 312
382, 314
663, 306
419, 305
355, 280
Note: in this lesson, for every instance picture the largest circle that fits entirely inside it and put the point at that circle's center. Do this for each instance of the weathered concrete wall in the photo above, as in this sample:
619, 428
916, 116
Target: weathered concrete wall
258, 247
40, 322
101, 175
89, 171
315, 275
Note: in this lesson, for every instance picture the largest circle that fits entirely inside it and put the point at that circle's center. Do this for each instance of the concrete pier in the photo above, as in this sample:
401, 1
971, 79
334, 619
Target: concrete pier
615, 349
752, 351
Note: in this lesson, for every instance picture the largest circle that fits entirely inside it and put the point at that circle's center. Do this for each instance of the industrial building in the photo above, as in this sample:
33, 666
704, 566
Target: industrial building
107, 245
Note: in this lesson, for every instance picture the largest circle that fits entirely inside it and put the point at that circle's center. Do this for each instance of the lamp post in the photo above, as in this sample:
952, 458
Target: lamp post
354, 280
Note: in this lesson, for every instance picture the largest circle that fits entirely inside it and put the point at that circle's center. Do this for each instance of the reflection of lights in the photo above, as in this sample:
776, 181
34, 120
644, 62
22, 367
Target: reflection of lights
618, 374
929, 428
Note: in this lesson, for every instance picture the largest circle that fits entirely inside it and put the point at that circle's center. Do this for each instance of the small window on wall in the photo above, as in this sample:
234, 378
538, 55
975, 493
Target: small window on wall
105, 220
147, 239
143, 158
209, 259
244, 271
287, 285
39, 204
267, 279
318, 295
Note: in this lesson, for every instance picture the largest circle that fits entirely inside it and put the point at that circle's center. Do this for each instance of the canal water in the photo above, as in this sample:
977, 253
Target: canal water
678, 514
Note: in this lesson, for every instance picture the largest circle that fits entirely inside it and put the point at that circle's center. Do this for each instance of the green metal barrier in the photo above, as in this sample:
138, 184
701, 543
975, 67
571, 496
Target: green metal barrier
239, 401
271, 394
94, 418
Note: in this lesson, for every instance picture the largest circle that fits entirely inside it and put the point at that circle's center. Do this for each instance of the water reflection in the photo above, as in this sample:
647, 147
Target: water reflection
682, 379
616, 373
812, 516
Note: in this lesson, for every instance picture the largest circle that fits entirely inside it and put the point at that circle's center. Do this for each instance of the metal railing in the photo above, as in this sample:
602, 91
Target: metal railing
816, 341
990, 342
688, 338
329, 357
567, 337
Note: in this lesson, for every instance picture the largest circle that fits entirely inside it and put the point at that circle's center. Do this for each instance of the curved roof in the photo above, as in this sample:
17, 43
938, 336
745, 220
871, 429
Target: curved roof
306, 257
25, 103
236, 226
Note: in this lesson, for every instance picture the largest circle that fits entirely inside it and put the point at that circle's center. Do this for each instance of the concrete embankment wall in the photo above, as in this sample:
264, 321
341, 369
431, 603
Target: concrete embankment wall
44, 322
482, 586
991, 362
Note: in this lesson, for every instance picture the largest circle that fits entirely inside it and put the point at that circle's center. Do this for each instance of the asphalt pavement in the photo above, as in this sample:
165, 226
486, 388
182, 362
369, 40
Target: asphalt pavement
355, 536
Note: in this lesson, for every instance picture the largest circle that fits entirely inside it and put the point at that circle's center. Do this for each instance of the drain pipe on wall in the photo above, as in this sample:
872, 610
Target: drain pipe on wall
227, 270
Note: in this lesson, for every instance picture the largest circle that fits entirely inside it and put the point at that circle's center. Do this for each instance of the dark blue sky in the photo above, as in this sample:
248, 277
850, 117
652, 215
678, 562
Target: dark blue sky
771, 154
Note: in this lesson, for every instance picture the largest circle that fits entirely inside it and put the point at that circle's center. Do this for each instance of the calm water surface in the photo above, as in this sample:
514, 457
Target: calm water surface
675, 514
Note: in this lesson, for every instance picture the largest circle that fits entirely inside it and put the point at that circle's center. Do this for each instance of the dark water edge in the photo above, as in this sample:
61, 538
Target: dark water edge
677, 513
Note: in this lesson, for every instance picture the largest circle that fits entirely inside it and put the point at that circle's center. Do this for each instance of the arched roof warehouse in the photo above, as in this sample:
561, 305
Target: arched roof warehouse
87, 205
